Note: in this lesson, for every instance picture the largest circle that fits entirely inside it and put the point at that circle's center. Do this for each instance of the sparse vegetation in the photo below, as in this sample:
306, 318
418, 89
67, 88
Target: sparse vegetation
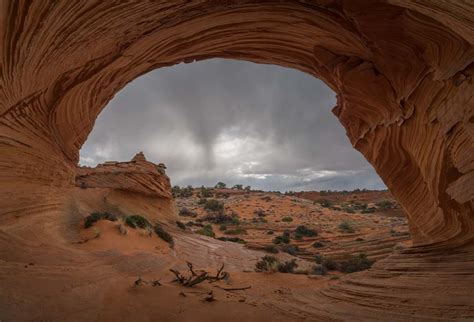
324, 202
180, 225
185, 212
163, 234
221, 218
206, 231
233, 239
328, 263
271, 264
205, 192
355, 264
184, 192
346, 227
220, 185
271, 249
283, 239
96, 216
287, 219
290, 249
137, 221
303, 231
213, 205
318, 245
237, 231
386, 204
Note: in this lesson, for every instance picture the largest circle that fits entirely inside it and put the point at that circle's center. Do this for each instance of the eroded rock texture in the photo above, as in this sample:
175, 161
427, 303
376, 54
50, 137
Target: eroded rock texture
403, 74
138, 176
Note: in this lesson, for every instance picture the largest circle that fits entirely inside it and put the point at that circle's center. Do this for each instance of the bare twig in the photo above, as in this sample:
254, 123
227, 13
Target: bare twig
198, 277
233, 288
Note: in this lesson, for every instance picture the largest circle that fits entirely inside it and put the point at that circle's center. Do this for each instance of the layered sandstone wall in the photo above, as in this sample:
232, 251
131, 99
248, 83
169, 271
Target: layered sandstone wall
137, 176
402, 72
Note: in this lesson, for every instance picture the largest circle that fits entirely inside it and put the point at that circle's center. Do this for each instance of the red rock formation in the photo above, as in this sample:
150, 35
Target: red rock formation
138, 175
403, 74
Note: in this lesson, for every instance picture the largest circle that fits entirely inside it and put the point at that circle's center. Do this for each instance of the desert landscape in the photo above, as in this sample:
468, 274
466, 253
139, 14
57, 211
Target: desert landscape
120, 242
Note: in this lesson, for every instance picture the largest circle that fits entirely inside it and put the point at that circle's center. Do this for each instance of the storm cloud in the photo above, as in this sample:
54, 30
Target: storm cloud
237, 122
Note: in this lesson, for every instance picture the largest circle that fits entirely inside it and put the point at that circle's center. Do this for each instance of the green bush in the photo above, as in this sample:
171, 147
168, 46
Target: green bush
220, 185
355, 264
304, 231
324, 203
137, 221
237, 231
287, 219
318, 245
180, 225
328, 263
346, 227
283, 239
290, 249
185, 212
163, 234
319, 270
386, 204
205, 192
96, 216
233, 239
267, 264
214, 205
288, 266
271, 249
206, 231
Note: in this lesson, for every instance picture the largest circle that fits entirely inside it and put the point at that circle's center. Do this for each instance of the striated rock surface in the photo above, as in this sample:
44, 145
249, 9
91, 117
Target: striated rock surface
402, 70
138, 175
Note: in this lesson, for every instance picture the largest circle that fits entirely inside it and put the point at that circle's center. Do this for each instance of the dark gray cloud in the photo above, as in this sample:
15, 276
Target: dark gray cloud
238, 122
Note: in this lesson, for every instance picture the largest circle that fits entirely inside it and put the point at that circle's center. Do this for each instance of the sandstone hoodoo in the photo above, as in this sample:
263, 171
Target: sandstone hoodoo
403, 74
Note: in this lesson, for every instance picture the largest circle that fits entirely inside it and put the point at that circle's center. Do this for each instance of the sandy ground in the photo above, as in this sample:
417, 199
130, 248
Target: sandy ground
55, 270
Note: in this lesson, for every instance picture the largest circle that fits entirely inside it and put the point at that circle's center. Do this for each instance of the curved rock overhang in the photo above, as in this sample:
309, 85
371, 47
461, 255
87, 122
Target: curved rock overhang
402, 71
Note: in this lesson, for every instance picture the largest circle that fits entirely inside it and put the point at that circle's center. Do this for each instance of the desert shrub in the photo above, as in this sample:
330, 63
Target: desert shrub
206, 231
260, 213
233, 239
220, 219
304, 231
288, 266
270, 232
247, 188
287, 219
368, 211
238, 187
355, 264
359, 239
283, 239
349, 210
328, 263
324, 202
271, 249
318, 245
163, 234
346, 227
137, 221
205, 192
213, 205
222, 227
333, 278
290, 249
184, 192
185, 212
96, 216
202, 201
267, 264
180, 225
386, 204
220, 185
267, 198
319, 270
237, 231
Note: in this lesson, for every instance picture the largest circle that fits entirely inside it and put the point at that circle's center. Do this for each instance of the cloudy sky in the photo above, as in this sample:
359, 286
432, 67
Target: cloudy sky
236, 122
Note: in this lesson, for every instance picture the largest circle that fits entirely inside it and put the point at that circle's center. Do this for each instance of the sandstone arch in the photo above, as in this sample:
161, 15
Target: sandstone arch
402, 71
